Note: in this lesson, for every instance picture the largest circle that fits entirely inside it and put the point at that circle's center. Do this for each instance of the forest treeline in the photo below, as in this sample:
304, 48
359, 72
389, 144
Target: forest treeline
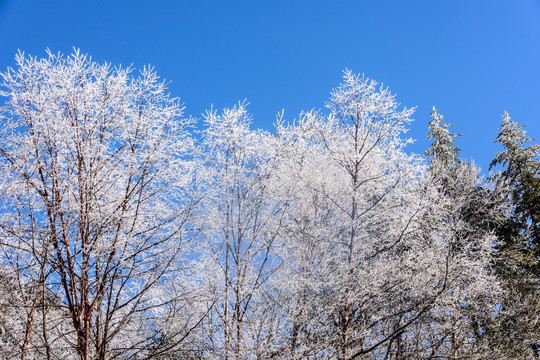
129, 231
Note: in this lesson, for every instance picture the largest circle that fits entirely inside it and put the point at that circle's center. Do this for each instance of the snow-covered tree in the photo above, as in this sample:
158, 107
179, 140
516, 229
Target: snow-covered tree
93, 176
443, 148
471, 210
361, 259
240, 224
518, 249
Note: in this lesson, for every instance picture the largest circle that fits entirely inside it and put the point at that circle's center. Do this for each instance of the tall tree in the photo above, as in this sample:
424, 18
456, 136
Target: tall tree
519, 248
93, 207
359, 241
521, 174
240, 222
457, 327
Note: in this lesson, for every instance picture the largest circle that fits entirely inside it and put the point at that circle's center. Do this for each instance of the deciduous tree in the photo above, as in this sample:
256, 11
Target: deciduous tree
93, 176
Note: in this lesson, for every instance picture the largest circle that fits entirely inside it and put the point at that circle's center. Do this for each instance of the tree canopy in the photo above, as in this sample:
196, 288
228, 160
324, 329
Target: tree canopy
130, 231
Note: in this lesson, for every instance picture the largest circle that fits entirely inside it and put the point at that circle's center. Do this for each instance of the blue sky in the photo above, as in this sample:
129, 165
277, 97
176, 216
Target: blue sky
471, 59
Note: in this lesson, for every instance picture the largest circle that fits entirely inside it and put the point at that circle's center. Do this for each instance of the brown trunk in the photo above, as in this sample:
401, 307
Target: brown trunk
345, 323
28, 332
294, 339
454, 344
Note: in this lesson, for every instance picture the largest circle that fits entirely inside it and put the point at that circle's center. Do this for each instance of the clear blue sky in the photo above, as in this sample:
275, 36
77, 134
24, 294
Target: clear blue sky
473, 59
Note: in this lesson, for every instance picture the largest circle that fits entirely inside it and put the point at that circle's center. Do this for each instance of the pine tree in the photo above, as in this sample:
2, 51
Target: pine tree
521, 174
519, 250
472, 213
442, 148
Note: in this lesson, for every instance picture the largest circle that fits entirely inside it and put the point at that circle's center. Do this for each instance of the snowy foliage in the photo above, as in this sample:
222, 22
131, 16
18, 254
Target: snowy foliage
124, 235
93, 173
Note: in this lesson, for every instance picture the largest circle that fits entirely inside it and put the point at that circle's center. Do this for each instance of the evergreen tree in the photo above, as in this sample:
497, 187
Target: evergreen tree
473, 210
442, 148
519, 250
521, 175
